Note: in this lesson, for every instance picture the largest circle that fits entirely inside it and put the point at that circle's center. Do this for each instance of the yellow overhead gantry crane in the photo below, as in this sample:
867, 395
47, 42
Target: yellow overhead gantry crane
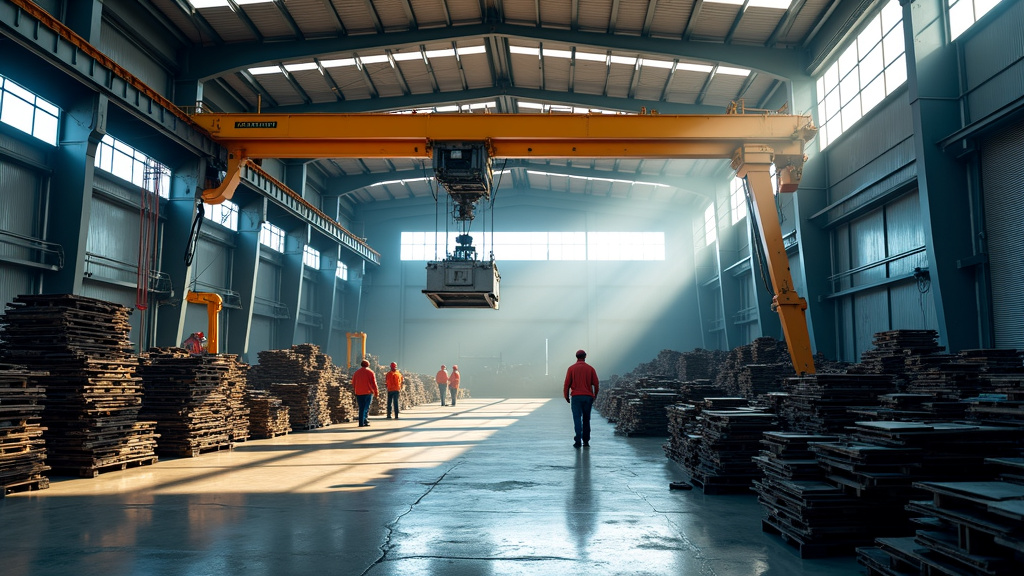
752, 141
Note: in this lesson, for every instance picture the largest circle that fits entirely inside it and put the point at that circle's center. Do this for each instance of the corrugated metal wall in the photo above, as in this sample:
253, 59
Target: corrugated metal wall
212, 265
994, 63
114, 231
1003, 196
126, 53
21, 190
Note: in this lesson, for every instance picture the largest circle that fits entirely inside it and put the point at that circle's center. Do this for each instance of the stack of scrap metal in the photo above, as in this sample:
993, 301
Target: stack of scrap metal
188, 398
899, 406
268, 416
685, 428
644, 414
756, 380
235, 382
799, 506
92, 392
969, 528
415, 391
342, 401
22, 454
733, 375
729, 441
892, 350
821, 403
700, 364
610, 402
1007, 408
298, 376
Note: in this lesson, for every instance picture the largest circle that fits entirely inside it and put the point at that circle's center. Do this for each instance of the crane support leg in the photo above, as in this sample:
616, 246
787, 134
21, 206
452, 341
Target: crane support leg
214, 304
226, 189
753, 162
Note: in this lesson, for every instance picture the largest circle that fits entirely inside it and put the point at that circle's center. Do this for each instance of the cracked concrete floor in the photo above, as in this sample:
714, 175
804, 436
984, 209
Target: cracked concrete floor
489, 487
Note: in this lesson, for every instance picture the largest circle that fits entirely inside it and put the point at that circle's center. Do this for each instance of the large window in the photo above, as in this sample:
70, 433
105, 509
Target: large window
129, 164
738, 200
311, 257
341, 272
272, 237
710, 229
542, 245
866, 72
225, 214
27, 112
964, 13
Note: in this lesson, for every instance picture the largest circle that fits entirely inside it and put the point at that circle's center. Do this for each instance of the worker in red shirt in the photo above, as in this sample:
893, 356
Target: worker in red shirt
364, 384
442, 383
393, 380
195, 343
453, 383
581, 386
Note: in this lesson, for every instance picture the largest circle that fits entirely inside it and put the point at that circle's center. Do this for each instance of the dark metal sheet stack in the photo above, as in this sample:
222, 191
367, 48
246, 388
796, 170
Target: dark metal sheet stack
730, 440
799, 505
892, 348
1006, 408
188, 398
236, 383
22, 451
93, 395
299, 376
645, 415
341, 400
821, 403
268, 416
700, 364
685, 427
736, 379
970, 528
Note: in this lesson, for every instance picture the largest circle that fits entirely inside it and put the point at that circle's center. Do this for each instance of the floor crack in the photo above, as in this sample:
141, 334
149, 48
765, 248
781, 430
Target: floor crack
385, 547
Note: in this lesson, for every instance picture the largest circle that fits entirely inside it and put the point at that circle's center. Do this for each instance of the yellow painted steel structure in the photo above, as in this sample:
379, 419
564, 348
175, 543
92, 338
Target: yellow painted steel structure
752, 141
349, 336
214, 304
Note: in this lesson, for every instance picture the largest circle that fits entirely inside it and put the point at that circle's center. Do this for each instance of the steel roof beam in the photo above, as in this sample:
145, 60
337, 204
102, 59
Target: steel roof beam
736, 23
785, 23
494, 92
694, 15
245, 20
652, 5
204, 62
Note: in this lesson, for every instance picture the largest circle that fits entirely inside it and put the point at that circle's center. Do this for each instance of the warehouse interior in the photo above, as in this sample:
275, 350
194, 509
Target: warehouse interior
786, 233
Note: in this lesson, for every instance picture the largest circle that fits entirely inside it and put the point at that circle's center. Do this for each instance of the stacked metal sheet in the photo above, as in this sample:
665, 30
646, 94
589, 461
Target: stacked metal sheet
298, 376
737, 379
22, 453
236, 386
756, 380
268, 416
93, 395
188, 398
700, 364
821, 403
1005, 406
729, 441
645, 415
966, 528
341, 400
799, 506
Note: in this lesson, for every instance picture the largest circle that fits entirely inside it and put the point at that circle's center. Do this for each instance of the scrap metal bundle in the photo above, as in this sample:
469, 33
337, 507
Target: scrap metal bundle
268, 416
821, 403
342, 400
93, 395
729, 441
644, 414
736, 379
22, 454
700, 364
298, 376
188, 398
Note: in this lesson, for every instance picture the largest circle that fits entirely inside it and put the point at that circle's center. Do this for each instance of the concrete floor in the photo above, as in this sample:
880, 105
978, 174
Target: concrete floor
490, 487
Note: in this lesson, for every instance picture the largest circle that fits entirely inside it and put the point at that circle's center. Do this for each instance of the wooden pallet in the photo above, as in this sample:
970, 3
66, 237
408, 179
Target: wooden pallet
807, 550
194, 452
41, 483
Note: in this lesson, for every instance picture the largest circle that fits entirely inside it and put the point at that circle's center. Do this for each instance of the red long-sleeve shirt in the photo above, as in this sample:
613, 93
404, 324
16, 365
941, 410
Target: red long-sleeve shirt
442, 377
454, 379
393, 380
580, 380
364, 381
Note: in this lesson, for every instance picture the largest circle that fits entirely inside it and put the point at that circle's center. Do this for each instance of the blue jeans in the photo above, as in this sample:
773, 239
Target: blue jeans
442, 389
393, 400
581, 406
364, 401
454, 393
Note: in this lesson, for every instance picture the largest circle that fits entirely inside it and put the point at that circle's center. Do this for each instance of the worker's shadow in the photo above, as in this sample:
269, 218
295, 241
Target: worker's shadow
582, 505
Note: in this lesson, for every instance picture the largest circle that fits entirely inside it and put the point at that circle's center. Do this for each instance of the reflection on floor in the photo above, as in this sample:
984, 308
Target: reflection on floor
491, 486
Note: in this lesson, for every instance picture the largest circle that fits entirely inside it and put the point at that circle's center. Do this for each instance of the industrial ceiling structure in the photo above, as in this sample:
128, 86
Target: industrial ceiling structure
503, 56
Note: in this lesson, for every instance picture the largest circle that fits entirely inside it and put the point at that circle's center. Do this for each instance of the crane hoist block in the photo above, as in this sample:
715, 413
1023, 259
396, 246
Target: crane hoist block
462, 284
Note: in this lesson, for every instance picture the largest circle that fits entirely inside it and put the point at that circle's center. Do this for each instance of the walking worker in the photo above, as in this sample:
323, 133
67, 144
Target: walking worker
364, 384
442, 383
453, 383
393, 379
581, 386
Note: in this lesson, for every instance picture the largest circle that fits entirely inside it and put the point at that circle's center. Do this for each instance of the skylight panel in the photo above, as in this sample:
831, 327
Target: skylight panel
265, 70
524, 50
300, 66
693, 67
338, 63
404, 56
446, 53
470, 50
374, 59
624, 60
733, 71
550, 52
591, 56
655, 63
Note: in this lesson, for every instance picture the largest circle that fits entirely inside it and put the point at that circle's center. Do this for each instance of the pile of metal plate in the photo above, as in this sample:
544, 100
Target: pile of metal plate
187, 396
821, 403
734, 377
1005, 407
236, 383
968, 528
93, 395
729, 441
685, 442
22, 454
893, 348
799, 505
700, 364
342, 401
268, 416
299, 376
756, 380
644, 414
